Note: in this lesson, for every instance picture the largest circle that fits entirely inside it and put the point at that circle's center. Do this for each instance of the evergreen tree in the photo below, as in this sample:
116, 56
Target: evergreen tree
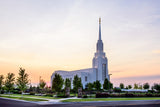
129, 86
9, 82
57, 83
1, 82
121, 85
67, 83
22, 80
107, 84
76, 83
97, 85
146, 86
157, 87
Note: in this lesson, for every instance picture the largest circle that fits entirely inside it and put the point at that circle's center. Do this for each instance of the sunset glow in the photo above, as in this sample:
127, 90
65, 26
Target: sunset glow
44, 36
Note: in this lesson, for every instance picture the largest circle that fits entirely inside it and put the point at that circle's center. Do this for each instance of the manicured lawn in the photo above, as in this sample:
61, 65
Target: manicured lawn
110, 99
19, 95
24, 98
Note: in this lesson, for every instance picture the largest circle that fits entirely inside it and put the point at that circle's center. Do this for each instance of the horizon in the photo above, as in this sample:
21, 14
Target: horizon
45, 36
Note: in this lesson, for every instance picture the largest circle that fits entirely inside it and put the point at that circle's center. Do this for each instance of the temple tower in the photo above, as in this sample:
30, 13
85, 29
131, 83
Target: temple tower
100, 61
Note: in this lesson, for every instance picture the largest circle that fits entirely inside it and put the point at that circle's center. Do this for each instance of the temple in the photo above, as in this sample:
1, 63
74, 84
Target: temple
99, 70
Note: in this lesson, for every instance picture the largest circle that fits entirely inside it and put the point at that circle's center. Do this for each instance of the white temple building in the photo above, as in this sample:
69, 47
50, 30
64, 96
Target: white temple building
99, 70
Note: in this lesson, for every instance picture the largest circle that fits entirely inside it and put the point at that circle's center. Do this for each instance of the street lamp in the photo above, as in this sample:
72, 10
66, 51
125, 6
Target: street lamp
109, 76
109, 81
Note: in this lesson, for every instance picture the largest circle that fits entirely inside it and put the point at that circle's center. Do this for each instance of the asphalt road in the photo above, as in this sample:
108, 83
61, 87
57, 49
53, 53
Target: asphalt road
12, 103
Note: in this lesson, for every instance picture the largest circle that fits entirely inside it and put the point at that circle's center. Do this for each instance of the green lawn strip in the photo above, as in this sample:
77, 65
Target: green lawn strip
19, 95
24, 98
109, 99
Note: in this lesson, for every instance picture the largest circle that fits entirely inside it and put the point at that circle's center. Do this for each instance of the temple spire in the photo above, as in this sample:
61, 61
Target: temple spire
99, 43
99, 28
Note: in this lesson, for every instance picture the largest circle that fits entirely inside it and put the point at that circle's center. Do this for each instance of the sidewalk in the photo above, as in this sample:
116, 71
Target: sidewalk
50, 101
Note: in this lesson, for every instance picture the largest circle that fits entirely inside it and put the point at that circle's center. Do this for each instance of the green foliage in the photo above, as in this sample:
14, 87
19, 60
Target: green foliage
67, 83
129, 86
107, 84
57, 83
121, 85
97, 85
89, 86
116, 89
22, 80
135, 86
157, 87
146, 86
42, 84
76, 83
1, 81
9, 82
140, 87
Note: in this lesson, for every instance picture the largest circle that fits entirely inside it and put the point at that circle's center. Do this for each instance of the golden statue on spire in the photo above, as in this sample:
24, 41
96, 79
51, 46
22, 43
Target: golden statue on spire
99, 20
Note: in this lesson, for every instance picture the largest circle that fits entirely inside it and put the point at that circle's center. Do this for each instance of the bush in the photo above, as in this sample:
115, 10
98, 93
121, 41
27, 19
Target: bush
102, 95
49, 95
129, 95
149, 95
85, 96
32, 93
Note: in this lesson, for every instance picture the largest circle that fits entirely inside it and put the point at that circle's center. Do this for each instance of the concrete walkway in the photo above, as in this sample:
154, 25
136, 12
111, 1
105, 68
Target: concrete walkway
50, 101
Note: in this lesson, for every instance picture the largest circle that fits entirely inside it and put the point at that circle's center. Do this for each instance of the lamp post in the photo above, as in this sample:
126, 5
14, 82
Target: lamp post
109, 81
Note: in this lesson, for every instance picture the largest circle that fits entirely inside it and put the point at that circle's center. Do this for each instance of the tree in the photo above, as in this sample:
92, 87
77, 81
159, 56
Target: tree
42, 84
157, 87
106, 84
9, 82
135, 86
146, 86
22, 80
1, 82
67, 83
89, 86
140, 87
121, 85
76, 83
97, 85
129, 86
57, 83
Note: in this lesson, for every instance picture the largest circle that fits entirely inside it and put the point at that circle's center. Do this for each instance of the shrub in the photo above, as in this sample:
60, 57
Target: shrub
49, 95
129, 95
102, 95
32, 93
85, 96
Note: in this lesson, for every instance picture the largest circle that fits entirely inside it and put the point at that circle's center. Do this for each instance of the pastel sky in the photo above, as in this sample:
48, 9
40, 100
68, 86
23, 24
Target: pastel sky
47, 35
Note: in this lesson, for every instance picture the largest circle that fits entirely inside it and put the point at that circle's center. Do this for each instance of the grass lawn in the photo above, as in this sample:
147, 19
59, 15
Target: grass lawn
19, 95
110, 99
24, 98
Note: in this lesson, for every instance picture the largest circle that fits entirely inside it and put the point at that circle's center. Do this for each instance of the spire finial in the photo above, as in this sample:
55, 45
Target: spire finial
99, 20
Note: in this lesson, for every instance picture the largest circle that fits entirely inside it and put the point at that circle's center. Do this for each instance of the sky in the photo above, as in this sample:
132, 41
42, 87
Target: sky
42, 36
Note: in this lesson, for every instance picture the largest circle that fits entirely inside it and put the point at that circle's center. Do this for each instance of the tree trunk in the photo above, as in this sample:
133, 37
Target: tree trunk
22, 95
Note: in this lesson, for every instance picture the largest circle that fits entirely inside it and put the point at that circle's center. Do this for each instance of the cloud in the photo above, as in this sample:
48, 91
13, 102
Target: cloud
156, 51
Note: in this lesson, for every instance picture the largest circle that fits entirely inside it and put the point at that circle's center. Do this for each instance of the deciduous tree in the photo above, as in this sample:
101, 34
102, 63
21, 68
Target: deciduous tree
9, 82
22, 80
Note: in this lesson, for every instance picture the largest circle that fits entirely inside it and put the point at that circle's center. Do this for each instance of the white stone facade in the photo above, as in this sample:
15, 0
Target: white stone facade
99, 70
